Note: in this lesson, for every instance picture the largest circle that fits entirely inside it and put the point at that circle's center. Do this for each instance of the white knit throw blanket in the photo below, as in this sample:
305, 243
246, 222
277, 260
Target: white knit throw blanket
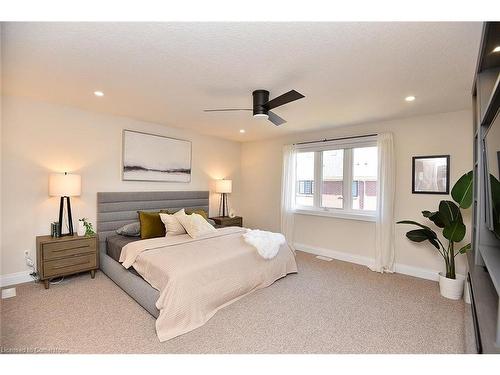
267, 243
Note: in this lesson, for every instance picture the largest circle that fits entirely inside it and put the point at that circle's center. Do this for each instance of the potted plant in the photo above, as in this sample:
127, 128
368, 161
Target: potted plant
449, 219
85, 227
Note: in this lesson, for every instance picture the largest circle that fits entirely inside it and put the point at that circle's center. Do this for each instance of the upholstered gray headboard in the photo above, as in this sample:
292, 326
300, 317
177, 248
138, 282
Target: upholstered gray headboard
115, 209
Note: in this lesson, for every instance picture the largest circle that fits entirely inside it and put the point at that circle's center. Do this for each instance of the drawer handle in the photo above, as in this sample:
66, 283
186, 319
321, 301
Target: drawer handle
70, 265
78, 247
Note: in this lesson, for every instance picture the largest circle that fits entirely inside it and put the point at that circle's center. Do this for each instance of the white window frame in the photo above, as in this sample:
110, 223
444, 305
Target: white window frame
347, 212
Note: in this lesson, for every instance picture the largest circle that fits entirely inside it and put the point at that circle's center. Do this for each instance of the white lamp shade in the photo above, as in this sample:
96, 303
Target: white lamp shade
223, 186
65, 185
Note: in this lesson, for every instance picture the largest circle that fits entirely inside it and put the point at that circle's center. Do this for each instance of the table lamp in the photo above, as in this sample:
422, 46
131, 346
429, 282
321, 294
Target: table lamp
65, 185
223, 187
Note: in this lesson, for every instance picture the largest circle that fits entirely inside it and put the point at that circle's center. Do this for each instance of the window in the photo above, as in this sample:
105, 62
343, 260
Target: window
305, 179
364, 178
333, 177
338, 179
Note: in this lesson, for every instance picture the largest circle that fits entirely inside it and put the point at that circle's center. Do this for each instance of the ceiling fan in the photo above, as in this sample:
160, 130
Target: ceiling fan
262, 105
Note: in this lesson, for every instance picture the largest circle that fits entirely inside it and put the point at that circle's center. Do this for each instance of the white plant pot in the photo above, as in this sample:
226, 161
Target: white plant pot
81, 228
451, 288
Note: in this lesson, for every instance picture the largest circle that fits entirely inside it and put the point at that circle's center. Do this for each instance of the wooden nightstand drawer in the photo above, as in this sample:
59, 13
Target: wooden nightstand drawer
69, 265
57, 250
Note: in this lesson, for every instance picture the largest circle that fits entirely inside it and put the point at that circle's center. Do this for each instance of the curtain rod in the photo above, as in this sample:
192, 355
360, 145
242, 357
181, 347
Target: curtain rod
336, 139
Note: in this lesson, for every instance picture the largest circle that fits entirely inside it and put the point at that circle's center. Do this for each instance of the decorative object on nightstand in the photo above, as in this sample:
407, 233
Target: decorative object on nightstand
81, 228
85, 227
64, 256
224, 221
65, 185
223, 187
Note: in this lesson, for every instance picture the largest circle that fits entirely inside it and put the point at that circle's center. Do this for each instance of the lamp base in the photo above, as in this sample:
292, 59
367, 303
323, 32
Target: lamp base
223, 206
70, 218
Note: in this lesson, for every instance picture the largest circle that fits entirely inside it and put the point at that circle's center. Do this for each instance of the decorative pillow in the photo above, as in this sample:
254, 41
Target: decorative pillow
199, 211
151, 224
188, 211
195, 225
172, 225
130, 230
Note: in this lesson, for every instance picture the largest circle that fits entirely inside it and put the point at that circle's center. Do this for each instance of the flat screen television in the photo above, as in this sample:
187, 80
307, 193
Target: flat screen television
492, 156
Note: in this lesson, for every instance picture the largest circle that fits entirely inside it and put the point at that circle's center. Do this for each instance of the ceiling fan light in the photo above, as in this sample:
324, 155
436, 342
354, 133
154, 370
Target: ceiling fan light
261, 115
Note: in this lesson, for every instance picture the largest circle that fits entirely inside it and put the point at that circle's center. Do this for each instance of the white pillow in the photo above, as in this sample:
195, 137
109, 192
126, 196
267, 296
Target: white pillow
172, 225
195, 225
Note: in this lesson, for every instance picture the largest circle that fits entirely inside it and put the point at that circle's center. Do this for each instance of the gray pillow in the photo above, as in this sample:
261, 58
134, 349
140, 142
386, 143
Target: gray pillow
130, 230
211, 222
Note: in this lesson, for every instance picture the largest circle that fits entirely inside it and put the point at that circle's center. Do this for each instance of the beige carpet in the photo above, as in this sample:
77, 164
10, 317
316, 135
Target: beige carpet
329, 307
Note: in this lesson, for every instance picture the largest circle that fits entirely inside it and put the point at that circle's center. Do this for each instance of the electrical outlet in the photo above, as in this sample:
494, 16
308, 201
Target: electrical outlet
28, 260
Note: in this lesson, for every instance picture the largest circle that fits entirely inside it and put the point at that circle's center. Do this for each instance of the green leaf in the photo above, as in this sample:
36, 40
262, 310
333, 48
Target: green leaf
420, 235
462, 190
434, 242
464, 249
449, 213
455, 231
413, 223
435, 217
417, 235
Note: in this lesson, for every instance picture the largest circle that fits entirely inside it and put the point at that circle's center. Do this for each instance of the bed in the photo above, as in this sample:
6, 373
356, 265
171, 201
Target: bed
179, 280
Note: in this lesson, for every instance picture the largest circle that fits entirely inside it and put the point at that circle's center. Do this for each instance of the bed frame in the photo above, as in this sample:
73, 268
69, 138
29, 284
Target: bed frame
115, 209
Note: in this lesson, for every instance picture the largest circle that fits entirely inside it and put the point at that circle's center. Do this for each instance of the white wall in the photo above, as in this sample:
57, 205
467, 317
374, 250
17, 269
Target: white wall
40, 138
447, 133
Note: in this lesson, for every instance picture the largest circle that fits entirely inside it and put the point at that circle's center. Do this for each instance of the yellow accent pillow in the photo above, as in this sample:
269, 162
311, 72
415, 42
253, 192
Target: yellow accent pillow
200, 212
151, 224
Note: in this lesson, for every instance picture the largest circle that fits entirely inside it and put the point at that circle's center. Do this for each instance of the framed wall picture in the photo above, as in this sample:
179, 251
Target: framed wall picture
431, 174
150, 157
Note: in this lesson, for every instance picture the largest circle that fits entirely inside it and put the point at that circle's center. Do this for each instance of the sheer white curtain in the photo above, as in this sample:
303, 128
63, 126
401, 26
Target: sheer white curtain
386, 184
288, 192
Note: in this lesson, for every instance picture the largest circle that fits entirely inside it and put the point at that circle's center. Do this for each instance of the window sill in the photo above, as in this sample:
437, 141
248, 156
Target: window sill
340, 215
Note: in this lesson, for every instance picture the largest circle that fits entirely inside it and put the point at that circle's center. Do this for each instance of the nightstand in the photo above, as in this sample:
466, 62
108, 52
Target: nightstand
225, 221
64, 256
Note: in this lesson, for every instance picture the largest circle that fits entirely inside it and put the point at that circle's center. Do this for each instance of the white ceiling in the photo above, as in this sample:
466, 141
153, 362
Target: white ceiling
169, 72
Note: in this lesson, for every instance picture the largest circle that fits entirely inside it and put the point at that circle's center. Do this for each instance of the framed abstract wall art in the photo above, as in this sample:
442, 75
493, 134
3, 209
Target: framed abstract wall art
150, 157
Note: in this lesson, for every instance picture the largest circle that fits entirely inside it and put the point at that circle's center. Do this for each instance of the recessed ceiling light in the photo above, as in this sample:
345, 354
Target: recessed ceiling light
410, 98
98, 93
496, 49
242, 131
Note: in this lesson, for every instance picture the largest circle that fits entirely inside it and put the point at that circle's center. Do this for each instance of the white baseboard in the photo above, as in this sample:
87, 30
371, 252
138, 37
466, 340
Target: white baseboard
15, 278
339, 255
422, 273
367, 261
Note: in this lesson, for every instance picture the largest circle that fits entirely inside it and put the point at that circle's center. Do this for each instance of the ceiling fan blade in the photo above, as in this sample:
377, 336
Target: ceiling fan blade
227, 110
275, 119
287, 97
